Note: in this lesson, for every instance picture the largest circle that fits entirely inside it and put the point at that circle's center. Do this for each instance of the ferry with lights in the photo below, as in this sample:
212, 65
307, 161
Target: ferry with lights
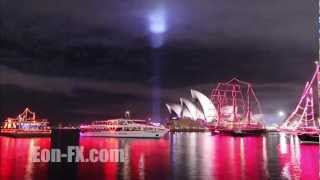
26, 124
123, 128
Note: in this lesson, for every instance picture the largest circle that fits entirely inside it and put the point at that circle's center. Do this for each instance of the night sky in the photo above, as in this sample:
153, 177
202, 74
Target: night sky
81, 60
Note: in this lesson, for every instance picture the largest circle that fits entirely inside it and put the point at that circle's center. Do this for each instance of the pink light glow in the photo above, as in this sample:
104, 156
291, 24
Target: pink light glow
299, 161
187, 155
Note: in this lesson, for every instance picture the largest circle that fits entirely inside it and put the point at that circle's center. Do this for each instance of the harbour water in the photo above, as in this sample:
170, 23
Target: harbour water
177, 156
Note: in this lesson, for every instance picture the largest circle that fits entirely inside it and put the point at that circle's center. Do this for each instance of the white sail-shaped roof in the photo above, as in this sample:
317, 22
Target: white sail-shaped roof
175, 108
186, 114
169, 108
207, 106
195, 112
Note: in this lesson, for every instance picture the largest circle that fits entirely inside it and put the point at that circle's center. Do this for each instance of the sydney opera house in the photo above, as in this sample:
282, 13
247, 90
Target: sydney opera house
199, 107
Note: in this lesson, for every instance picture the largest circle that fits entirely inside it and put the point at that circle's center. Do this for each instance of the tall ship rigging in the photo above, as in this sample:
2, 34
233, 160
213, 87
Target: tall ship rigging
304, 121
238, 109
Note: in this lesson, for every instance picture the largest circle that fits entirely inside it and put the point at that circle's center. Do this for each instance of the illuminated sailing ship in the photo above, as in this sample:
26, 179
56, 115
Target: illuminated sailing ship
304, 120
25, 125
239, 111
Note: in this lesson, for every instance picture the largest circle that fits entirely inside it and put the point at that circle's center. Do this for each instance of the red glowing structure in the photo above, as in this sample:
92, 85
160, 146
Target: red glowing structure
239, 110
303, 116
25, 125
304, 120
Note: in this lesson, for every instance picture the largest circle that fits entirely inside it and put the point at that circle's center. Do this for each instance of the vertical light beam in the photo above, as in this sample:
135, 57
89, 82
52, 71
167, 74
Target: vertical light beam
157, 26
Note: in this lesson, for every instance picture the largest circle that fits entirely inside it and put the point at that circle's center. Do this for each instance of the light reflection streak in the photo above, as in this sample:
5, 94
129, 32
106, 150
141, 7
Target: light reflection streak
242, 157
141, 167
232, 155
294, 165
265, 156
191, 156
283, 143
208, 146
126, 168
29, 164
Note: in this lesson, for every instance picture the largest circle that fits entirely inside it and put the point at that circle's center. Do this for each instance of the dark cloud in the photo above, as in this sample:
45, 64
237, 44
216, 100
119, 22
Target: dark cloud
90, 56
88, 100
71, 86
202, 22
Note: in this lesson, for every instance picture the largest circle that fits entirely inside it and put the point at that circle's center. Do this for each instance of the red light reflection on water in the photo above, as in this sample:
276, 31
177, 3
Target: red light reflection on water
238, 158
16, 158
145, 158
149, 159
98, 169
180, 156
298, 161
202, 156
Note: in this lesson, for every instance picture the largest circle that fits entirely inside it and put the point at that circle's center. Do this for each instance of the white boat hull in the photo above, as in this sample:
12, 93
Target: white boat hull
125, 134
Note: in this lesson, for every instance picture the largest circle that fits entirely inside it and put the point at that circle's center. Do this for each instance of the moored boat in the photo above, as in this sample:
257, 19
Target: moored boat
25, 125
304, 120
256, 129
309, 138
308, 135
123, 128
238, 110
